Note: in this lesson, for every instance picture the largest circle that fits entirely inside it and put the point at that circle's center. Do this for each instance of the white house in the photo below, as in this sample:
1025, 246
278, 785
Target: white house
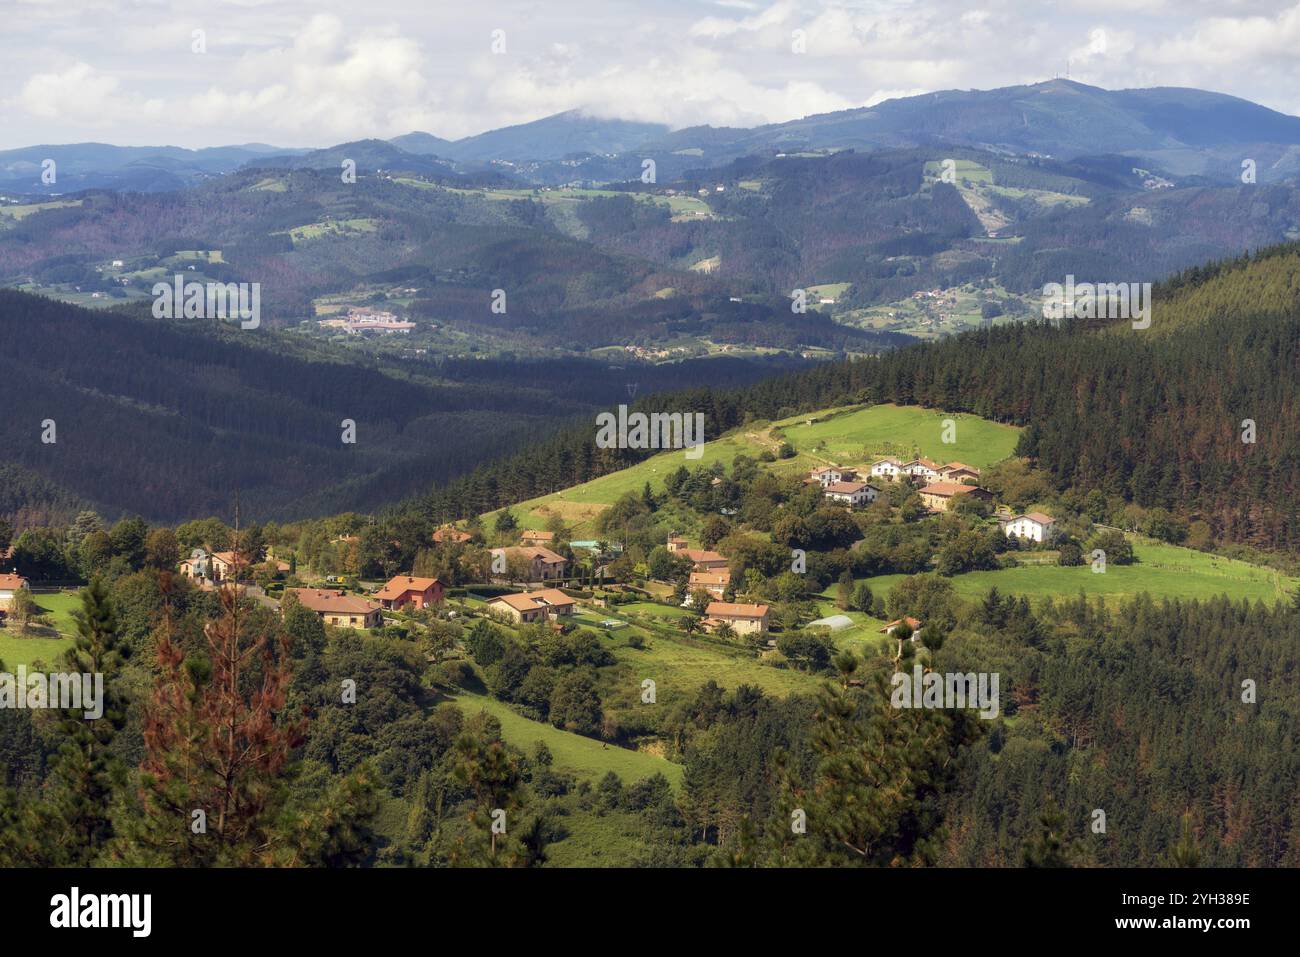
852, 494
830, 474
9, 584
1034, 526
887, 469
921, 468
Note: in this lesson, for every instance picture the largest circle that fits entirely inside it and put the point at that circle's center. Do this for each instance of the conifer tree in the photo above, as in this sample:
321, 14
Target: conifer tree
69, 823
217, 742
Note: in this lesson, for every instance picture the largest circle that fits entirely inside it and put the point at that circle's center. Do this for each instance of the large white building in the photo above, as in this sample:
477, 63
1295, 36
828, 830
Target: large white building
830, 474
922, 468
852, 494
887, 469
1034, 526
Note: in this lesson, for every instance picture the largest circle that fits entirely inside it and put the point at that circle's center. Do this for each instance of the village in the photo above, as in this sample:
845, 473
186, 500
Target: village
538, 579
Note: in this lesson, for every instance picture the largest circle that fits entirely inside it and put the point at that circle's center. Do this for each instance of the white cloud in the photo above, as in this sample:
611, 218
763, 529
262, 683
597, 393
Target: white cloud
316, 72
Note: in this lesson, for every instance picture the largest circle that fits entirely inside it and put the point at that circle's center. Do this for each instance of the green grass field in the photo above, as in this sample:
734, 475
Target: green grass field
1163, 571
854, 437
59, 606
847, 437
581, 504
584, 757
680, 666
16, 650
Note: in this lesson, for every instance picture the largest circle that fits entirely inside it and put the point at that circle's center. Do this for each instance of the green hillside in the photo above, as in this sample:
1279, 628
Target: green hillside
1161, 570
851, 435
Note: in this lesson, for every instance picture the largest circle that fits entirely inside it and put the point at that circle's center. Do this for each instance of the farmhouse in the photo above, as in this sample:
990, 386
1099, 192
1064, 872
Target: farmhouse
404, 591
1034, 526
887, 469
921, 468
852, 494
939, 496
525, 607
830, 474
451, 535
542, 563
958, 472
216, 567
743, 619
715, 582
677, 544
8, 585
912, 623
535, 537
339, 608
705, 560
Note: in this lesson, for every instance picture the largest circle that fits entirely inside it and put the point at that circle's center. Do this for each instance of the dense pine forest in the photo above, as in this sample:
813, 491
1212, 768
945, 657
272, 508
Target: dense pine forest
172, 420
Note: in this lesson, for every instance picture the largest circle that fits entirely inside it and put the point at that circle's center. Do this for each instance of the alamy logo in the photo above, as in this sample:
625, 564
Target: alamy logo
656, 430
934, 690
1102, 300
103, 910
182, 299
60, 691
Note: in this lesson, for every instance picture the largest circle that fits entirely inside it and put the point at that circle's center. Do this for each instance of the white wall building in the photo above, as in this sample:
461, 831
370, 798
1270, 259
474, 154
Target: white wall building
1034, 526
852, 494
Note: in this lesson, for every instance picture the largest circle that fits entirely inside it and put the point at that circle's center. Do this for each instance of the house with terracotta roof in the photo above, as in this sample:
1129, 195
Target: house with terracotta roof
922, 468
888, 469
9, 584
939, 496
677, 544
1034, 526
535, 536
451, 535
852, 494
540, 563
830, 474
959, 472
913, 623
743, 619
703, 559
405, 591
713, 582
526, 607
215, 568
338, 608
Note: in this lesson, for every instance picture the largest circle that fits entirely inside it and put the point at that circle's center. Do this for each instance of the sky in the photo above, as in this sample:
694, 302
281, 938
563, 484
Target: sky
318, 72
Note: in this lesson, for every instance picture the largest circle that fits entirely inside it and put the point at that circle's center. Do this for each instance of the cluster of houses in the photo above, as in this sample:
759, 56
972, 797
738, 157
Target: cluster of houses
339, 608
943, 484
367, 319
842, 485
927, 470
209, 571
540, 564
711, 574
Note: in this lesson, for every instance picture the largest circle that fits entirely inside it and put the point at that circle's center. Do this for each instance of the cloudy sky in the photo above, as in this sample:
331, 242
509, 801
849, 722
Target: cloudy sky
318, 72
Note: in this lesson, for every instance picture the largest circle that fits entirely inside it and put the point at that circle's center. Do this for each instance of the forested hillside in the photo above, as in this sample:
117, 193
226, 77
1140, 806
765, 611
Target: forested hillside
1154, 416
172, 419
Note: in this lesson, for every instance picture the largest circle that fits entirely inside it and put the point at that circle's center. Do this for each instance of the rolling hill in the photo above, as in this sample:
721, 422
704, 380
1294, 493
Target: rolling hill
188, 413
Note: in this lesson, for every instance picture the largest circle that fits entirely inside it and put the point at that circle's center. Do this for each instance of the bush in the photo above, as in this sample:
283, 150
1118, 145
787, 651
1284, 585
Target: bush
1118, 549
1070, 555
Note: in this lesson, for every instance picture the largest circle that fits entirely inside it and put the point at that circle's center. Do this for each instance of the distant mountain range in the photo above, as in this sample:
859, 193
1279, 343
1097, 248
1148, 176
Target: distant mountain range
1177, 132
